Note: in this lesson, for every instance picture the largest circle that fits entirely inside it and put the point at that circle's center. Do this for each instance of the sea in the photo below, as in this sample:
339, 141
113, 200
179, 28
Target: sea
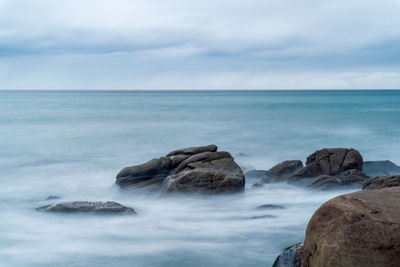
71, 144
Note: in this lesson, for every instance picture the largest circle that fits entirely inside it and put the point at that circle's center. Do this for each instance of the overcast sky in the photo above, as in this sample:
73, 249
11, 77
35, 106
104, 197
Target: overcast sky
208, 44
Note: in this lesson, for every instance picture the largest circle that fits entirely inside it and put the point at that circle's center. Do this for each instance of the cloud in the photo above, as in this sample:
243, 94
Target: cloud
232, 44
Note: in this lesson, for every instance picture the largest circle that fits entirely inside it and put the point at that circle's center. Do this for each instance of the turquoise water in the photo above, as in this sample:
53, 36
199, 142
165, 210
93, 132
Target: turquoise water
72, 144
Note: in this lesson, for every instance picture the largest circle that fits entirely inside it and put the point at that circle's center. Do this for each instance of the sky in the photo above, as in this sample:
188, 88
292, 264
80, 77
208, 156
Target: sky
208, 44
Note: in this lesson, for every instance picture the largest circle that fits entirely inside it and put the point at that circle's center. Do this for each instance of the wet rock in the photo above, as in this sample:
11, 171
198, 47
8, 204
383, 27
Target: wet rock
52, 197
256, 186
290, 257
188, 170
382, 181
354, 177
329, 161
281, 171
357, 229
269, 207
377, 168
324, 182
109, 207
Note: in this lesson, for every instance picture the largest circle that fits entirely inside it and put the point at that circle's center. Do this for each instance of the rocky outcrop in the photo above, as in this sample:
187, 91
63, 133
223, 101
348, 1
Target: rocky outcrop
357, 229
382, 182
108, 207
324, 182
329, 161
281, 171
290, 257
189, 170
382, 167
352, 177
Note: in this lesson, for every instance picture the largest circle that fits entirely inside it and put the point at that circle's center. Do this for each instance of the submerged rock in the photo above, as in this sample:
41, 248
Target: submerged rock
52, 197
269, 207
257, 186
188, 170
357, 229
109, 207
382, 167
267, 216
290, 257
329, 161
382, 181
281, 171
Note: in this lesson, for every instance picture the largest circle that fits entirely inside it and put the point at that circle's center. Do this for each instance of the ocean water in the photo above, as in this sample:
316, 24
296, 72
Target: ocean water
73, 143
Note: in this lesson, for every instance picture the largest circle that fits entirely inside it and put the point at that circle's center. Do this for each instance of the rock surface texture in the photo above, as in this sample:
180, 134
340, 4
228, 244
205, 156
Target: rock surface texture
190, 170
357, 229
281, 171
108, 207
329, 161
291, 257
382, 182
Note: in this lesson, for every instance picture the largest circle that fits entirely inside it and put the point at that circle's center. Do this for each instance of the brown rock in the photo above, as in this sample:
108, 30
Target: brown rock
357, 229
281, 171
382, 181
324, 182
354, 176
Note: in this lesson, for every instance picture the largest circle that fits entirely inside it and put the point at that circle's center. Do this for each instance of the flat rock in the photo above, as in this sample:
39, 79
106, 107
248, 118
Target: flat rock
382, 181
269, 207
189, 170
357, 229
382, 167
109, 207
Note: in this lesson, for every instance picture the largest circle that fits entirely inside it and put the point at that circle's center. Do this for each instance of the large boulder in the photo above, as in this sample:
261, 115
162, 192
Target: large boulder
382, 181
377, 168
329, 161
189, 170
357, 229
109, 207
281, 171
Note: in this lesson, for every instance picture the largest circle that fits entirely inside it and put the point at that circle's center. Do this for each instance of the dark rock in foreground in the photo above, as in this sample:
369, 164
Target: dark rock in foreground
290, 257
382, 182
329, 161
189, 170
108, 207
357, 229
382, 167
281, 171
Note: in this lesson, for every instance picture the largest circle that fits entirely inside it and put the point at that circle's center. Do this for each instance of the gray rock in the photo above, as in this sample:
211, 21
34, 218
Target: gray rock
290, 257
257, 186
383, 167
281, 171
354, 177
382, 181
52, 197
324, 182
329, 161
269, 207
108, 207
189, 170
267, 216
256, 174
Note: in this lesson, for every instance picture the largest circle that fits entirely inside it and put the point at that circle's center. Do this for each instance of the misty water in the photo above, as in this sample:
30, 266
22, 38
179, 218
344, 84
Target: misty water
73, 143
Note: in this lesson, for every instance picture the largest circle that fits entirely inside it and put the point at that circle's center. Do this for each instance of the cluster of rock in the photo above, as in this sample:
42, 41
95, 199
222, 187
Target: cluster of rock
189, 170
325, 169
357, 229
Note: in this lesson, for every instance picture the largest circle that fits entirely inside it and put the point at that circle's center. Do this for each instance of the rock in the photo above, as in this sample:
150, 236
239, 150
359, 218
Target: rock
281, 171
267, 216
290, 257
382, 182
269, 207
377, 168
188, 170
256, 174
108, 207
357, 229
324, 182
256, 186
52, 197
329, 161
354, 176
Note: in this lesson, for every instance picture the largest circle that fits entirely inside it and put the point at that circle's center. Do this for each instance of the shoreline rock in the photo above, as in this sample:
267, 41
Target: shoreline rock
382, 181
